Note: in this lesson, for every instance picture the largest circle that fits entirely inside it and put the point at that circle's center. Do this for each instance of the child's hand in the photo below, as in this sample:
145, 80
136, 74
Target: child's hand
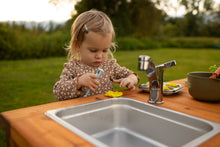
88, 80
130, 82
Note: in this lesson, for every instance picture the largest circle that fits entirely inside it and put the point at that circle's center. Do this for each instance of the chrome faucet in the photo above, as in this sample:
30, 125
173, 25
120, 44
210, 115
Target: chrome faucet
155, 77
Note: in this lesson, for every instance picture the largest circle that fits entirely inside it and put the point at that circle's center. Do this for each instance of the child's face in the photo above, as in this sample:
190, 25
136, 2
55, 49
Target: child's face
94, 49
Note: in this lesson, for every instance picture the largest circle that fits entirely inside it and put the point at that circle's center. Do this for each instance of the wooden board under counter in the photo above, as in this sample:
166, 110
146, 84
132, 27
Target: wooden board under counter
31, 127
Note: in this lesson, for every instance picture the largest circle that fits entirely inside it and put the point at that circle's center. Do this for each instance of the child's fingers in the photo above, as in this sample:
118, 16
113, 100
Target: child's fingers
94, 76
92, 88
124, 83
93, 85
129, 85
117, 81
132, 87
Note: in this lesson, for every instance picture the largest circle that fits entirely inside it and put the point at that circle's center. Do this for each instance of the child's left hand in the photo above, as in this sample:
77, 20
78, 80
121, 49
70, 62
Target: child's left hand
130, 82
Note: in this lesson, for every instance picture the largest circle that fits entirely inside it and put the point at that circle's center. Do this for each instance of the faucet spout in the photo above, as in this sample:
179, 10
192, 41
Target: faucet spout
155, 77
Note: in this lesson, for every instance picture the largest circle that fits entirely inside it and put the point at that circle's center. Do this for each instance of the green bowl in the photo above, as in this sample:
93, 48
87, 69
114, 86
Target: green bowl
201, 87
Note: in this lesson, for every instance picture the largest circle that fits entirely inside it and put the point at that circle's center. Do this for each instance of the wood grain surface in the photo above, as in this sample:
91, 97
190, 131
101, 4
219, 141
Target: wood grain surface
31, 127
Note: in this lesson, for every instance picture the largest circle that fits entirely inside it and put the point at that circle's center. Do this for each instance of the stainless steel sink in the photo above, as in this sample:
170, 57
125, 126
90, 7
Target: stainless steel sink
125, 122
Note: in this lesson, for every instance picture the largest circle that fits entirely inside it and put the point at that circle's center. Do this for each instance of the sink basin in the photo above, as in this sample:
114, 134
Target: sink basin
127, 122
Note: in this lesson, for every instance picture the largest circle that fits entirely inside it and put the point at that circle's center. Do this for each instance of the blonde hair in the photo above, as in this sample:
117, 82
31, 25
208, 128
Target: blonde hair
92, 20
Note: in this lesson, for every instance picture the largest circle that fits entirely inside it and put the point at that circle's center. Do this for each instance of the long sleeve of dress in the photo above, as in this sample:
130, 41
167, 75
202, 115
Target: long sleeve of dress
66, 87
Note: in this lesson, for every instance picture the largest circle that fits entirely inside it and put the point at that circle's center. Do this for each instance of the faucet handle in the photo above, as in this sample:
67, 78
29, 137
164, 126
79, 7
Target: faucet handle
167, 64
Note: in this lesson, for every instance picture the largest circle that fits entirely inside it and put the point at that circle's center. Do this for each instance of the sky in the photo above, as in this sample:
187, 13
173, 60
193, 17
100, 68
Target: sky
42, 10
35, 10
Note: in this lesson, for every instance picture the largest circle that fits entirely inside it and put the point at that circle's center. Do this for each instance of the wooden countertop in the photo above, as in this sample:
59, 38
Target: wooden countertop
31, 127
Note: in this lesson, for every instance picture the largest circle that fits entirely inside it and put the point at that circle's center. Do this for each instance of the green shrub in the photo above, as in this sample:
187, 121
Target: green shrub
150, 43
128, 43
24, 44
17, 42
192, 42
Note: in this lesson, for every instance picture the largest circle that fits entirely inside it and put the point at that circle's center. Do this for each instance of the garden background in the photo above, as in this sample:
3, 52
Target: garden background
32, 58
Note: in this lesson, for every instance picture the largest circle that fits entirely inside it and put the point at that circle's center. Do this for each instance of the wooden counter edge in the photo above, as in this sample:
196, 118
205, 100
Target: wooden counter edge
7, 127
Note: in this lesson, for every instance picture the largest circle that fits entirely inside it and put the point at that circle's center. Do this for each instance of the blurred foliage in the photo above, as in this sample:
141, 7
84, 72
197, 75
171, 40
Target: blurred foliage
19, 42
139, 24
130, 18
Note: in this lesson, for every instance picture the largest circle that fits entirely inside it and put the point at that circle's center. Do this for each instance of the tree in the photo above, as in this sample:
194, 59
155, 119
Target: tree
133, 17
115, 9
145, 17
196, 11
195, 23
197, 7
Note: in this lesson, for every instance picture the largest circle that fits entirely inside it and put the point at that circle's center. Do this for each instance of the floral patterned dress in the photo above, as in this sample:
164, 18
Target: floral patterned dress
66, 87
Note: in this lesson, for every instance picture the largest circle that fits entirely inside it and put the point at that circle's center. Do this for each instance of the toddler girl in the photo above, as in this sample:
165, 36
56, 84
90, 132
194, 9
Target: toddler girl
90, 49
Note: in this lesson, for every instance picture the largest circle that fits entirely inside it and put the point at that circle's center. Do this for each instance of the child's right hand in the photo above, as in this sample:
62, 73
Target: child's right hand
88, 80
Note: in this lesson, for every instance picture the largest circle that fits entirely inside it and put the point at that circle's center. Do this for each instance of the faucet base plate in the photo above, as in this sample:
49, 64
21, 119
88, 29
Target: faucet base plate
153, 102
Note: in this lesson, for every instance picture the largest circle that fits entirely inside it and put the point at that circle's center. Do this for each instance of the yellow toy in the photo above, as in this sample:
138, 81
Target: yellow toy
172, 84
114, 94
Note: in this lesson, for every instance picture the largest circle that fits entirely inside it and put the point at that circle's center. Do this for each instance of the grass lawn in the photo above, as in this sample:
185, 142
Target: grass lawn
27, 83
